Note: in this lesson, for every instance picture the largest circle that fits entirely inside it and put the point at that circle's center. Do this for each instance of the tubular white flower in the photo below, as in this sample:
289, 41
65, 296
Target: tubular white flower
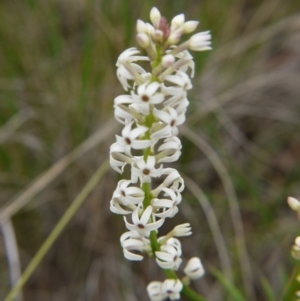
194, 268
200, 41
182, 230
147, 94
189, 62
123, 113
128, 195
128, 57
182, 82
117, 207
143, 224
172, 181
130, 139
132, 241
145, 170
172, 287
155, 293
169, 150
117, 159
167, 207
170, 118
169, 257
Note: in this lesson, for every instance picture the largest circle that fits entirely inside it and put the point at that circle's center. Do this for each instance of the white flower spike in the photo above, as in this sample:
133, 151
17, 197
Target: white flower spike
151, 112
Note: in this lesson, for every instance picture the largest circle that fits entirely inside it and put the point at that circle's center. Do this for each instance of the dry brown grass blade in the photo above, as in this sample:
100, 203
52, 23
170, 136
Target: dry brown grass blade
14, 123
12, 254
238, 135
233, 208
15, 204
239, 45
240, 90
214, 226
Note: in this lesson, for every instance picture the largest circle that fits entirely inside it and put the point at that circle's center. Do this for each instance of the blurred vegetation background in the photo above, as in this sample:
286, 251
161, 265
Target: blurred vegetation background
57, 85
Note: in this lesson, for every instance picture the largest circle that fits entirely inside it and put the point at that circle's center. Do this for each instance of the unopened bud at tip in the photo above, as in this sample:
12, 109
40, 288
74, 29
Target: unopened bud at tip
155, 16
168, 60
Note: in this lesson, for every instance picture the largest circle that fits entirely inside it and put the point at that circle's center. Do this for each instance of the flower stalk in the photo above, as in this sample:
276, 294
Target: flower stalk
151, 113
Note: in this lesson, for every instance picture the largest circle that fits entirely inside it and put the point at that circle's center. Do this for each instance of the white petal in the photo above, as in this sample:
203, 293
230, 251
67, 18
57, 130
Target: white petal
146, 215
131, 256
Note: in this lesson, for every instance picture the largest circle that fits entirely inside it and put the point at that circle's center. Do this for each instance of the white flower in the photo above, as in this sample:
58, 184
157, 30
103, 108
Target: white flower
173, 181
171, 119
155, 293
127, 70
123, 113
117, 207
194, 268
172, 287
159, 291
144, 170
167, 207
189, 62
128, 195
200, 41
145, 223
125, 198
117, 159
168, 257
182, 230
133, 241
169, 150
182, 82
147, 94
130, 139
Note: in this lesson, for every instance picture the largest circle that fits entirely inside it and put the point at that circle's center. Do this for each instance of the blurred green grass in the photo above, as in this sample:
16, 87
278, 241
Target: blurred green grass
57, 85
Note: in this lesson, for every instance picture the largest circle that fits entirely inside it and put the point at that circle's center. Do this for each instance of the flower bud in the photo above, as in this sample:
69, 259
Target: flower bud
174, 38
155, 16
177, 21
143, 40
190, 26
158, 36
168, 60
194, 268
141, 27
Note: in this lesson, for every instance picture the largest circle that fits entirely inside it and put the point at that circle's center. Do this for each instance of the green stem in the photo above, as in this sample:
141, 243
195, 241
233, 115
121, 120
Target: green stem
60, 226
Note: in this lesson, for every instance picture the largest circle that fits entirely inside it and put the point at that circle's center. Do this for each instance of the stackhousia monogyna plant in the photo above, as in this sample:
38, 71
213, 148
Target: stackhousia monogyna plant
151, 111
